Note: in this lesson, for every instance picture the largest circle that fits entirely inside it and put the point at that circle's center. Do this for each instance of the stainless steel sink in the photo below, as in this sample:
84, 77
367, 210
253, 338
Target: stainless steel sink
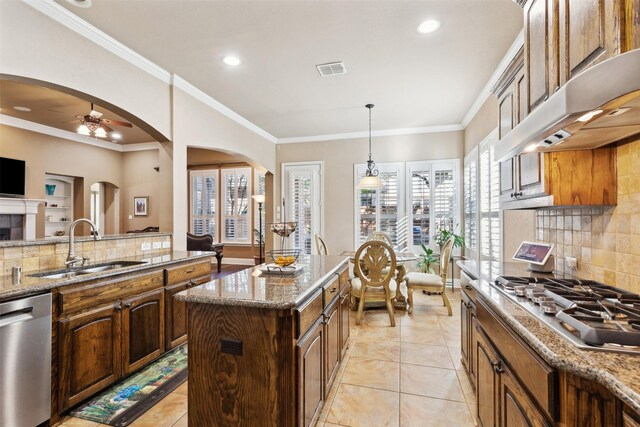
96, 268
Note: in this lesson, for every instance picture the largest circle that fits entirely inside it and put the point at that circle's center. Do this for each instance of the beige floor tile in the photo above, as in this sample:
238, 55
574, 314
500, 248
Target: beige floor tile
456, 357
473, 409
467, 387
77, 422
428, 412
378, 374
376, 317
362, 406
379, 333
452, 339
430, 382
327, 404
384, 350
329, 425
182, 388
426, 354
182, 422
422, 335
421, 316
166, 412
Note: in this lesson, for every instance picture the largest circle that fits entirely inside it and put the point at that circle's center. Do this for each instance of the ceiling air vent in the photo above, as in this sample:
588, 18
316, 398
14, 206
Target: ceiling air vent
331, 69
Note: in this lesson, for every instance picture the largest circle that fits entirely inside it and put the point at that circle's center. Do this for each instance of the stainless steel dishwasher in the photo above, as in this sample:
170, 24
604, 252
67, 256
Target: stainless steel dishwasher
25, 361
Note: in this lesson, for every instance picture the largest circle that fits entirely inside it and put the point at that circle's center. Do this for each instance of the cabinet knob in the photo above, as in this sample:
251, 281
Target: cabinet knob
333, 290
190, 271
118, 307
127, 305
192, 283
497, 367
519, 194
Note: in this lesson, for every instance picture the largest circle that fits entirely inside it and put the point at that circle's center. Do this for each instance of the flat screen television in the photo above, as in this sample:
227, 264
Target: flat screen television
12, 174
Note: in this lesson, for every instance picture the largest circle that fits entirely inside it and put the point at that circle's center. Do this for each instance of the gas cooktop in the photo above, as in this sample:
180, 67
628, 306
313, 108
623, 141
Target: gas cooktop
592, 315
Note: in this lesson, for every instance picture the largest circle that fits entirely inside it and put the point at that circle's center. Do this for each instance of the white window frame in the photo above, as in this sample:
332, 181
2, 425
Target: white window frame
216, 215
224, 172
358, 170
487, 146
471, 159
433, 165
319, 189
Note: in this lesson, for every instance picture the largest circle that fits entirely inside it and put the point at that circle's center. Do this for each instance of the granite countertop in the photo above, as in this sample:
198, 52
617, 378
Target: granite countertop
252, 288
619, 372
65, 239
32, 285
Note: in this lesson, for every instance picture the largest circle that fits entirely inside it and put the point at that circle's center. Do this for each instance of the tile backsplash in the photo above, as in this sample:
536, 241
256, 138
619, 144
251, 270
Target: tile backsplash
604, 240
48, 256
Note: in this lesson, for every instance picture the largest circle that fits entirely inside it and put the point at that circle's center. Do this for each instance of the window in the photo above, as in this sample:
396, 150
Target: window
236, 205
204, 185
432, 202
259, 183
381, 210
302, 188
471, 203
489, 196
96, 204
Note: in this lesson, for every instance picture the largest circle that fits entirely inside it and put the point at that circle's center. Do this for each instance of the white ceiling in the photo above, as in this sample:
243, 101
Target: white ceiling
415, 80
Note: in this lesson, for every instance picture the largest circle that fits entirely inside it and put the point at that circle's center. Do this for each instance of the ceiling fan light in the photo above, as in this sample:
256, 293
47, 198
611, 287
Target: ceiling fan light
83, 130
100, 133
370, 182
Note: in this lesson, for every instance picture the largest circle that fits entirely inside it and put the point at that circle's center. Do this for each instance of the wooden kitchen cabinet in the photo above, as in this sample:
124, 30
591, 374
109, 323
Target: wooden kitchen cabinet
516, 408
142, 330
468, 334
586, 403
487, 380
345, 310
175, 316
89, 346
332, 347
309, 352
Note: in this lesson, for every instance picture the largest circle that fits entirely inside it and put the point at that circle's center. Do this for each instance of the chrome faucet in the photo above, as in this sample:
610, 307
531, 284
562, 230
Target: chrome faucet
72, 259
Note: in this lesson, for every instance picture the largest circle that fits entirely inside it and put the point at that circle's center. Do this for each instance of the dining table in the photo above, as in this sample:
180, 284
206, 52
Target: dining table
402, 258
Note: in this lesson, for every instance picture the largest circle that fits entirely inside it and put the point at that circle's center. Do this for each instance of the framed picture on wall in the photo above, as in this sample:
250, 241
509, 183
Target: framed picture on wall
140, 206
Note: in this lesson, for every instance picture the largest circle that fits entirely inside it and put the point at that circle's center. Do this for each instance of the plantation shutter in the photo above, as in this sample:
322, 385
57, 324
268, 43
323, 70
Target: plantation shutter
237, 208
421, 205
471, 201
203, 202
444, 194
489, 174
301, 204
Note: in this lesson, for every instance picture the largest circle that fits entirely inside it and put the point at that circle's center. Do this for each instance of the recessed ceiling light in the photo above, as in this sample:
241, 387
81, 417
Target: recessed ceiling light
231, 60
116, 135
428, 26
80, 3
25, 109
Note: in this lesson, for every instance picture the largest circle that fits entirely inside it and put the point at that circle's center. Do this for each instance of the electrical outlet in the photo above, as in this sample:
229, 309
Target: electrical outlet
157, 245
146, 246
166, 245
130, 216
571, 262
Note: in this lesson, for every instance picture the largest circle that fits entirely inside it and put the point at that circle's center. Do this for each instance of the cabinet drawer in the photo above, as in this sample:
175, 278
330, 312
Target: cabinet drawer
188, 272
93, 294
344, 277
541, 379
308, 313
331, 290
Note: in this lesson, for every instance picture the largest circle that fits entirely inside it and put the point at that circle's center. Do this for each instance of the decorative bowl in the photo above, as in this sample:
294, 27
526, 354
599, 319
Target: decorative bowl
284, 257
59, 233
284, 229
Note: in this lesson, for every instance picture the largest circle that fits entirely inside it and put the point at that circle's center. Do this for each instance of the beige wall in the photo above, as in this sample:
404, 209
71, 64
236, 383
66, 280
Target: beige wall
485, 120
339, 158
139, 179
605, 240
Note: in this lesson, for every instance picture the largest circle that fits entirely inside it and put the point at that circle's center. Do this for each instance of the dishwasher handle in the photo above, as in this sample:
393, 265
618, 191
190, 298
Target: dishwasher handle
16, 316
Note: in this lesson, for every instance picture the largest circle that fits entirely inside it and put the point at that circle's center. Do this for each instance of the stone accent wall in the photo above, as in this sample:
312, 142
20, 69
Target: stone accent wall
605, 240
53, 255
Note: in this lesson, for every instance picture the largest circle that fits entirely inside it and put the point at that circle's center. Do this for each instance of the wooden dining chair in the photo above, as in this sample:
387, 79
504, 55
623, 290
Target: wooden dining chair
321, 246
372, 283
382, 236
432, 282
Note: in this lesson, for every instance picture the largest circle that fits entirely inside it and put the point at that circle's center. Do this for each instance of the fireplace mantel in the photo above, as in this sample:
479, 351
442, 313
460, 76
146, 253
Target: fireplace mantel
26, 207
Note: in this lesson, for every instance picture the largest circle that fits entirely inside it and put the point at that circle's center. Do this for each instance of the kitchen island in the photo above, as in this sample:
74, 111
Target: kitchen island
524, 369
264, 349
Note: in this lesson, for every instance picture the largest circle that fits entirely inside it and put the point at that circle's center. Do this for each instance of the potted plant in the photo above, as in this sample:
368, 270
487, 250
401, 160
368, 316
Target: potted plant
426, 259
444, 234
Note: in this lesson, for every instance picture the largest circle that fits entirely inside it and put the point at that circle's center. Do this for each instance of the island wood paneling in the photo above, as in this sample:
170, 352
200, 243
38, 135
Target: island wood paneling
254, 388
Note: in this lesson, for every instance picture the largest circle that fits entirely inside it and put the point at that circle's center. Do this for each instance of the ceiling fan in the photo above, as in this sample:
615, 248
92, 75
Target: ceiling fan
94, 123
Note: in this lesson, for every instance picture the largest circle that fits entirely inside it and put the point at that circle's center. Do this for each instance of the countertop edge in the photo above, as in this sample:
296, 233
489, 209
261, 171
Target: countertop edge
57, 283
592, 372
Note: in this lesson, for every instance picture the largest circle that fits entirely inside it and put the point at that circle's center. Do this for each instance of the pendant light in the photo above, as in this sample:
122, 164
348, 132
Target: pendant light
370, 181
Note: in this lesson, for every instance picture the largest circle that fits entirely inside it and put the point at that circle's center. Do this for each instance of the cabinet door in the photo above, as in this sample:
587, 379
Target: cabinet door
590, 31
487, 380
332, 344
516, 409
464, 331
540, 17
344, 321
521, 97
529, 170
309, 355
89, 353
505, 112
142, 330
175, 317
507, 180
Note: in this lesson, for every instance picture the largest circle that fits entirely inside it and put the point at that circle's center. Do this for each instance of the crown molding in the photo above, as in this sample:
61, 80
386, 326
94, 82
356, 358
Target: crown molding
72, 136
375, 133
90, 32
486, 90
198, 94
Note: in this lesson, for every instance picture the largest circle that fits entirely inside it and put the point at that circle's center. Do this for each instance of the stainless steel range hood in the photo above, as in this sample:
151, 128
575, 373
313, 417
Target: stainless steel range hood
597, 107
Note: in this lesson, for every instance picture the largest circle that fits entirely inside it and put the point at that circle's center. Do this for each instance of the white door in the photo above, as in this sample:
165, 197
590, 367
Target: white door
302, 185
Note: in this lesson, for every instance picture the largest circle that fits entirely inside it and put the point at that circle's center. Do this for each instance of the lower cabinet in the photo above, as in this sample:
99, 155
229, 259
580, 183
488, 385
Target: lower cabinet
142, 330
89, 346
309, 353
175, 317
345, 310
487, 381
468, 332
516, 408
332, 348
